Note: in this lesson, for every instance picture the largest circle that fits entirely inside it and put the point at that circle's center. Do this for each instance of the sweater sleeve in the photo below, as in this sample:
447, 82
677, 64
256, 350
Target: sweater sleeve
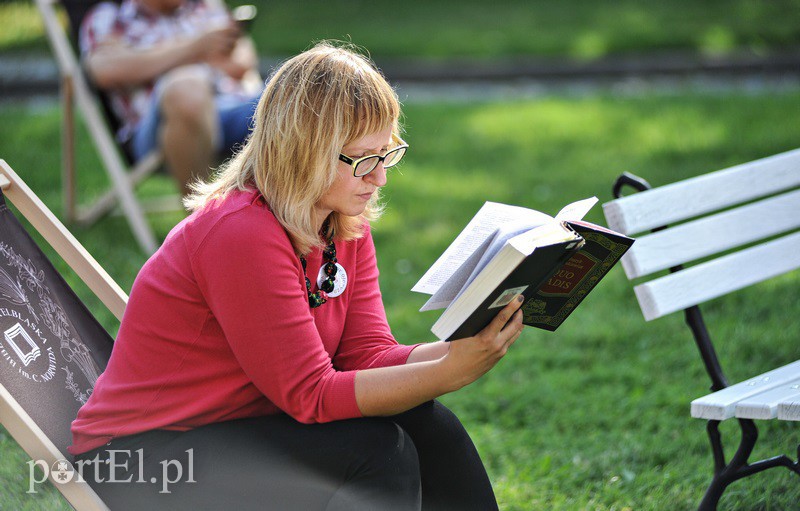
367, 340
252, 282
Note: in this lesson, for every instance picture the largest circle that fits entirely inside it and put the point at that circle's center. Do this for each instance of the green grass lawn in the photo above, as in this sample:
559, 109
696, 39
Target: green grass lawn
596, 415
477, 28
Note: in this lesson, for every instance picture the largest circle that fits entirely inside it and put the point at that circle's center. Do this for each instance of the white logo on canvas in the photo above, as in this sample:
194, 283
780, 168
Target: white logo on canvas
16, 332
53, 316
26, 344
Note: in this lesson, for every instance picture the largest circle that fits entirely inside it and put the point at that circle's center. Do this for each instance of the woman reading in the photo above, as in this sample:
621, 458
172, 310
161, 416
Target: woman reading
255, 354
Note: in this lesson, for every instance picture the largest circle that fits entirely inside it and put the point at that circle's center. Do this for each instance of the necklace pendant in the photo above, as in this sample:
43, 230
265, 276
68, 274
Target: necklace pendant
339, 284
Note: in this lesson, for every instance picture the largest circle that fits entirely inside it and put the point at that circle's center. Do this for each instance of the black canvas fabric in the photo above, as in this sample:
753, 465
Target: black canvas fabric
51, 347
76, 10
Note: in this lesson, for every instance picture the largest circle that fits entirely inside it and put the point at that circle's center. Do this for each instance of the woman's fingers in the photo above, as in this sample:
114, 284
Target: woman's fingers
504, 316
516, 326
511, 330
475, 356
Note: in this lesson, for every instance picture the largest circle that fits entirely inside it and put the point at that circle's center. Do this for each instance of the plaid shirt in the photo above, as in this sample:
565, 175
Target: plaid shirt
139, 27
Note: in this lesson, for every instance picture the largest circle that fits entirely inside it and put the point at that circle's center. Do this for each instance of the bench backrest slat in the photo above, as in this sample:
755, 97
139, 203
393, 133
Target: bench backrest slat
709, 215
717, 277
713, 234
696, 196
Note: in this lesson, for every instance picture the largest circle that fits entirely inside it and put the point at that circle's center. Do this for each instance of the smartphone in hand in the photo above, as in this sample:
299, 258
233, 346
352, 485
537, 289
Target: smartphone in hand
244, 15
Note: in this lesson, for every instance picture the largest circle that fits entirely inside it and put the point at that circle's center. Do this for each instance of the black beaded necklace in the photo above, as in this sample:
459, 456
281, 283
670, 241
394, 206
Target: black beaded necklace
329, 256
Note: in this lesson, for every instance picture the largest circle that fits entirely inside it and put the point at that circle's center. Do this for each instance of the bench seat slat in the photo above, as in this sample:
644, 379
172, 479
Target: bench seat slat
721, 405
789, 410
720, 276
713, 234
692, 197
765, 404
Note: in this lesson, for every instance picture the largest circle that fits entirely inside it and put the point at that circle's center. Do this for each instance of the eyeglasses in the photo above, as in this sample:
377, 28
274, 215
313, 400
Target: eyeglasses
365, 165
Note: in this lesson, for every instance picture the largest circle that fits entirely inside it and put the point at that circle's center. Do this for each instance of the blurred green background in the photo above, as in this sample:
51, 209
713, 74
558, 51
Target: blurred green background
596, 415
473, 28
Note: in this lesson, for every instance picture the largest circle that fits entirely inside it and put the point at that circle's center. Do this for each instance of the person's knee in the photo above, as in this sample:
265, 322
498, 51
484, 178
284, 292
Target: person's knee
431, 415
383, 472
387, 447
187, 98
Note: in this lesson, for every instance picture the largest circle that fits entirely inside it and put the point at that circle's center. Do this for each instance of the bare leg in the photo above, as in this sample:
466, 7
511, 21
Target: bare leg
189, 125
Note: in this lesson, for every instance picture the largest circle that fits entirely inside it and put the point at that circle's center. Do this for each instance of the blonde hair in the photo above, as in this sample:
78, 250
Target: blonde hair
312, 106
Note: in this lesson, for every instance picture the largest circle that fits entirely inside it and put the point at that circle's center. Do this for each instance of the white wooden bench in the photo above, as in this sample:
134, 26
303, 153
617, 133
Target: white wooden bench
708, 215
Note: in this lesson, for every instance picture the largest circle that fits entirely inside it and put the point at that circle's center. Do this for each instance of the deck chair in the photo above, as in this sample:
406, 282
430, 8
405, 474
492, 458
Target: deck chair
77, 89
51, 347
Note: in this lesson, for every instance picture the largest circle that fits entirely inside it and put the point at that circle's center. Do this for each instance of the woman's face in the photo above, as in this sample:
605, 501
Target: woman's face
349, 195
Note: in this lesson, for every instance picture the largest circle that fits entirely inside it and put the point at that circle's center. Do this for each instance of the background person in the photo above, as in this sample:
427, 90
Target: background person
256, 335
179, 76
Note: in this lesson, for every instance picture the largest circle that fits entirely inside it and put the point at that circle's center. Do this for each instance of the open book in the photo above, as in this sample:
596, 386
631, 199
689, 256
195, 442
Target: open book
509, 250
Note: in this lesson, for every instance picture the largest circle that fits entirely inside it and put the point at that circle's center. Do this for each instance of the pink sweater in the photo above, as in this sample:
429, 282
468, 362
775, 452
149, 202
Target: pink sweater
218, 327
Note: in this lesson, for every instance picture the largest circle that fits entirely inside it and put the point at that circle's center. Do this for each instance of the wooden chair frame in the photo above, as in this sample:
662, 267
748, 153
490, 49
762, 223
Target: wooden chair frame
19, 424
124, 180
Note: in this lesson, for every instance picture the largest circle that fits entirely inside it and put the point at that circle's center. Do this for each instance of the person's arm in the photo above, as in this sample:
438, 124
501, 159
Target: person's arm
386, 384
428, 352
367, 341
392, 390
257, 294
113, 64
242, 63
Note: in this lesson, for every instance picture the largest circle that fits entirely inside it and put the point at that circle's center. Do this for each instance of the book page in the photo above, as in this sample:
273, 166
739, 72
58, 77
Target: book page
595, 227
524, 239
477, 231
470, 269
544, 235
450, 289
577, 210
499, 240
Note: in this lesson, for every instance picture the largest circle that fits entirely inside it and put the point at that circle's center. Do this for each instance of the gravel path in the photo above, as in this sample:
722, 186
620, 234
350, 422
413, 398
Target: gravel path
33, 78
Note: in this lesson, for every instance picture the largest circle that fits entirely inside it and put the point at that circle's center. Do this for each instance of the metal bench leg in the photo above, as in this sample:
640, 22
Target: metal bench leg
725, 474
713, 494
714, 436
738, 467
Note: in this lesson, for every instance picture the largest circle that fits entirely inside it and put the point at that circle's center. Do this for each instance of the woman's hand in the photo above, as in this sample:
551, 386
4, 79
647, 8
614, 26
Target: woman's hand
470, 358
395, 389
217, 42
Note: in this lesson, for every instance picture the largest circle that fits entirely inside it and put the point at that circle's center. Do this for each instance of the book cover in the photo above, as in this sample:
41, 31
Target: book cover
566, 288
